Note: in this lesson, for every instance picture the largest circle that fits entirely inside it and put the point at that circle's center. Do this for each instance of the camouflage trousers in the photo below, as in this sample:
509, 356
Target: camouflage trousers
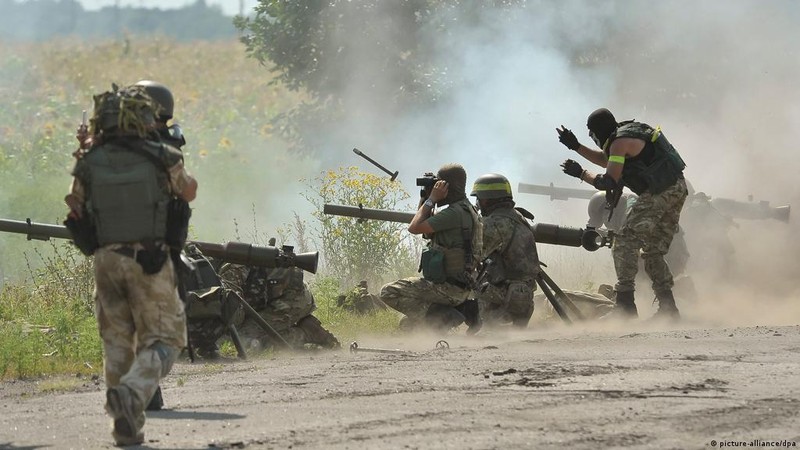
650, 227
141, 322
413, 296
507, 303
282, 314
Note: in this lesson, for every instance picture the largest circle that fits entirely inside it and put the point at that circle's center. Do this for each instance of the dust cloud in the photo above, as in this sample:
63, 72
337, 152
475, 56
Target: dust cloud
719, 78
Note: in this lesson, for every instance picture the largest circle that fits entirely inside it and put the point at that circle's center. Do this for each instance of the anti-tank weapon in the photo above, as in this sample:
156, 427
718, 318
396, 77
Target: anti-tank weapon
735, 209
544, 233
232, 252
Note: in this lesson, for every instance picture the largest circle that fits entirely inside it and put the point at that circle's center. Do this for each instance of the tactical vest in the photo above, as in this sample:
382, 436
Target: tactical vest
127, 188
657, 167
518, 260
459, 266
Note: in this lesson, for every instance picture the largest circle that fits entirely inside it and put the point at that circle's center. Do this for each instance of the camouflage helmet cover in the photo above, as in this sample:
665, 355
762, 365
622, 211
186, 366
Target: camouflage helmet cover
491, 185
161, 95
128, 110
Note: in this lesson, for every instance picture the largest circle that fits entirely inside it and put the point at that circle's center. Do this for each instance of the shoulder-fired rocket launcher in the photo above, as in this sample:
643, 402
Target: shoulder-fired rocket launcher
544, 233
232, 252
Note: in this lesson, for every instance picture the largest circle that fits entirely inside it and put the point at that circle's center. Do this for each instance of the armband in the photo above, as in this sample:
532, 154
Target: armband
616, 159
604, 182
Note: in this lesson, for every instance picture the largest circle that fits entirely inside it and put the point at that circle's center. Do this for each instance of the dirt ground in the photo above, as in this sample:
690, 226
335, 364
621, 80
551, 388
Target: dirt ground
558, 387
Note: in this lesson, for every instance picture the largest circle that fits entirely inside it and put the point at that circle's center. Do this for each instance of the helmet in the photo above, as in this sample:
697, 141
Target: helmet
127, 110
491, 185
161, 95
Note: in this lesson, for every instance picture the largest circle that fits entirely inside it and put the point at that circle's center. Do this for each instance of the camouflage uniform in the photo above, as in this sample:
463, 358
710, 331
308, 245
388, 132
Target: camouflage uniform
140, 317
414, 296
650, 226
283, 300
509, 243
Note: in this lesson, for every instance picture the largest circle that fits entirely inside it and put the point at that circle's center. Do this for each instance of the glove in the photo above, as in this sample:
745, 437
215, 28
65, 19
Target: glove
567, 137
572, 168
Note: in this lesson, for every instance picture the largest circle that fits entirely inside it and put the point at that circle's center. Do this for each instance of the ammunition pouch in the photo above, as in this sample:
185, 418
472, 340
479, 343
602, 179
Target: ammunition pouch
84, 234
178, 215
204, 304
432, 265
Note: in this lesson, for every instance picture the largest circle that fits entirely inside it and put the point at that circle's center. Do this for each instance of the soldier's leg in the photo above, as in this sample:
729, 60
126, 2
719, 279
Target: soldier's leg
492, 305
520, 303
160, 328
627, 244
667, 210
117, 330
414, 296
114, 318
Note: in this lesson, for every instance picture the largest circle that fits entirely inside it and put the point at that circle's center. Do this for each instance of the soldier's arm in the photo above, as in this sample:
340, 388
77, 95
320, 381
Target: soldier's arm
593, 156
419, 224
75, 199
182, 183
620, 149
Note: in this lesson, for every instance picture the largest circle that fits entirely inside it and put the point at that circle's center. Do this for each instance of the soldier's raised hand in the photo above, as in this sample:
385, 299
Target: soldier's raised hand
572, 168
567, 137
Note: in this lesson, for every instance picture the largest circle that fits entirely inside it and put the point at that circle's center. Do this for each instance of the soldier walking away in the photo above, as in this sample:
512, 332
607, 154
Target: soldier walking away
509, 253
641, 158
449, 262
119, 201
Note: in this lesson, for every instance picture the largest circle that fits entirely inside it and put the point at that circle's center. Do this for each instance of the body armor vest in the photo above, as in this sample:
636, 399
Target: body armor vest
657, 167
459, 266
127, 192
518, 260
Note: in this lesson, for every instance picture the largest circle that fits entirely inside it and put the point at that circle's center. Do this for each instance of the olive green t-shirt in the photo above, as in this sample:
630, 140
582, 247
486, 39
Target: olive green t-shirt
447, 225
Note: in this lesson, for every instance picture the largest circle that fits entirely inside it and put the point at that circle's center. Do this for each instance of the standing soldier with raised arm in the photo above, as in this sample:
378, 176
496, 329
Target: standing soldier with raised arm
640, 158
122, 186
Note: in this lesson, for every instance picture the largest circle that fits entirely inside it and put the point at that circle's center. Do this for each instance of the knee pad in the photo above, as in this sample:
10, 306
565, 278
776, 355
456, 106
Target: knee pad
167, 354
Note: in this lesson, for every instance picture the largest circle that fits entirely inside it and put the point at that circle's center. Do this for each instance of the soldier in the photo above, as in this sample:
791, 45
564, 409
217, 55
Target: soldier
448, 263
118, 204
600, 216
359, 300
639, 157
509, 245
283, 300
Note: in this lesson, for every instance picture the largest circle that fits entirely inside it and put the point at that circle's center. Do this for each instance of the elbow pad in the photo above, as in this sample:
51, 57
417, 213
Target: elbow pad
604, 182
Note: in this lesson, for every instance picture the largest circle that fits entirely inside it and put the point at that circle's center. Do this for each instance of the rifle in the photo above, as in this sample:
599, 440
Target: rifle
735, 209
544, 233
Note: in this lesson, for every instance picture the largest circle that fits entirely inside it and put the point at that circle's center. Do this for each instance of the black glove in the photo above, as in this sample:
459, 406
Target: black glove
572, 168
567, 137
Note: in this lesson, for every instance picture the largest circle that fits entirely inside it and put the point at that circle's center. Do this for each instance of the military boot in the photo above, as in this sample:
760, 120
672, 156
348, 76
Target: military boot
442, 318
128, 421
472, 317
316, 333
624, 307
667, 310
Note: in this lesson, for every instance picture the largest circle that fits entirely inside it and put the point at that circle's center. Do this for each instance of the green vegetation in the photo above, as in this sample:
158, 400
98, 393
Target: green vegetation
226, 105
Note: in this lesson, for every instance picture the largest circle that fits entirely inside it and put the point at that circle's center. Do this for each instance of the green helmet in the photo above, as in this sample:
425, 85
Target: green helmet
125, 111
491, 185
161, 95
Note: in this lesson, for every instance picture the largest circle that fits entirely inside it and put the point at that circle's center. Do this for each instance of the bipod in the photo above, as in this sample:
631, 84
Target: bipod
253, 314
560, 301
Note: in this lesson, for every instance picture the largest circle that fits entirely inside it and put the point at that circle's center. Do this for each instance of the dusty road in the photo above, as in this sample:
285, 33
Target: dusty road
556, 388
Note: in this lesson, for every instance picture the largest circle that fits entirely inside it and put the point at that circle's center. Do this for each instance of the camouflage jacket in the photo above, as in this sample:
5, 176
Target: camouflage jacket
508, 241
